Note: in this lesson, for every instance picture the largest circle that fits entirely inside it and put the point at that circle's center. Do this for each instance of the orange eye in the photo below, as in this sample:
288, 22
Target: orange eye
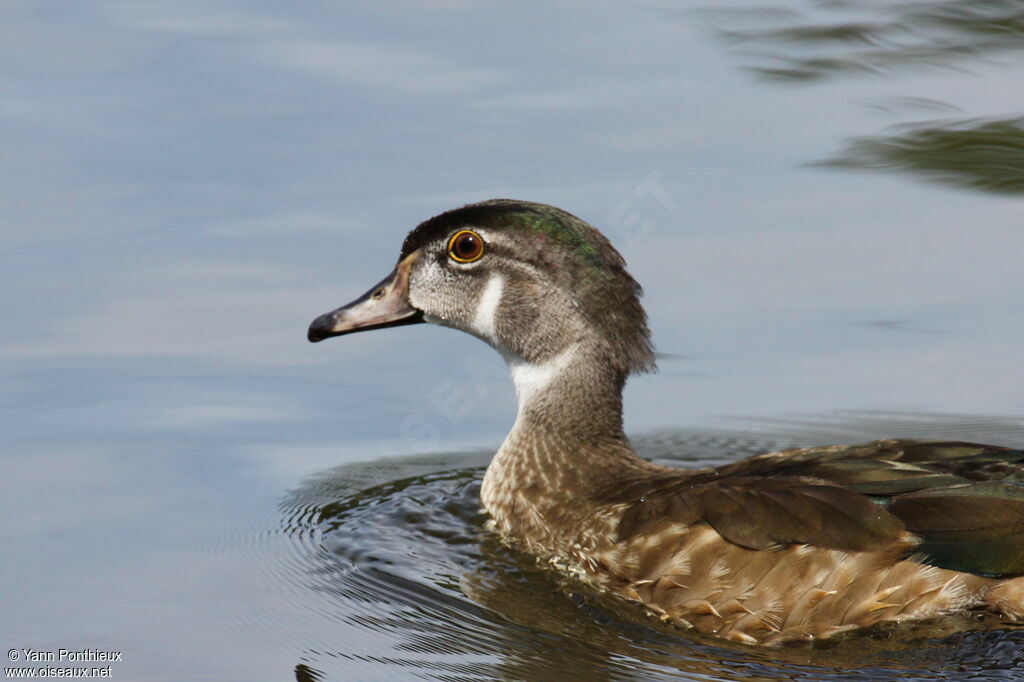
465, 246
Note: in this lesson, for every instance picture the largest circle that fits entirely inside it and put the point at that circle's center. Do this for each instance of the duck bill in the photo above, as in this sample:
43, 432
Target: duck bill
385, 305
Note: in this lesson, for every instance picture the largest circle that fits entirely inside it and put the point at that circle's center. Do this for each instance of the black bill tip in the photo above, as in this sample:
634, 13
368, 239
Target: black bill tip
322, 328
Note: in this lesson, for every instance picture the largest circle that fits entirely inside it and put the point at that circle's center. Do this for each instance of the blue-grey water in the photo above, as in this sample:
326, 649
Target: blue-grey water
823, 201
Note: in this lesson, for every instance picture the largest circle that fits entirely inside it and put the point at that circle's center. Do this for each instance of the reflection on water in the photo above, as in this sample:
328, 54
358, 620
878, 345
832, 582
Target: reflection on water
398, 549
973, 153
845, 37
906, 326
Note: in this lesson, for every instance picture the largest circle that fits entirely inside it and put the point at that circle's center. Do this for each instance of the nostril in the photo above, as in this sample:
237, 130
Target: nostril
378, 294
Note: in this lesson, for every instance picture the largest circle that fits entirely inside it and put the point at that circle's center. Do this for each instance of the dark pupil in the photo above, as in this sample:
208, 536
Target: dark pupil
466, 246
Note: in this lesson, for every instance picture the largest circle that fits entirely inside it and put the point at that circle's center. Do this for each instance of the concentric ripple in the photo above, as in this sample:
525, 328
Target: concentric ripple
404, 582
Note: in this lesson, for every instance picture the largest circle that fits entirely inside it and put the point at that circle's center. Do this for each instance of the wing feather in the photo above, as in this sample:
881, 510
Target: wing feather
963, 500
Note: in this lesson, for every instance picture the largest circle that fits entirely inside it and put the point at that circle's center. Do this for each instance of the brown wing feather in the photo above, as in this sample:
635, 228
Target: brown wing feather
757, 513
854, 498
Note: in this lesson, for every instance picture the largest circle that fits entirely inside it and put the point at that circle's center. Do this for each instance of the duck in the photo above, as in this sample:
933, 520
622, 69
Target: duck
779, 548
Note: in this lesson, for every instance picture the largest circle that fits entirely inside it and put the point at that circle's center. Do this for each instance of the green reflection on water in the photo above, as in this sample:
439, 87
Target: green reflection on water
974, 153
843, 37
895, 35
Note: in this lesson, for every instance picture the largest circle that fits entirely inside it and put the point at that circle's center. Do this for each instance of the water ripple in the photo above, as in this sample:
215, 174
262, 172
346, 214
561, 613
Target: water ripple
406, 581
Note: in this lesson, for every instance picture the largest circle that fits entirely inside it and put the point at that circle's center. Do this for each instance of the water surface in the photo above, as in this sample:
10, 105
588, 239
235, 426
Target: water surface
397, 556
822, 201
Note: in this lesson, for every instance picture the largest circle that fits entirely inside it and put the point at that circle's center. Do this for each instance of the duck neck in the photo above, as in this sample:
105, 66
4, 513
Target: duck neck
567, 442
572, 395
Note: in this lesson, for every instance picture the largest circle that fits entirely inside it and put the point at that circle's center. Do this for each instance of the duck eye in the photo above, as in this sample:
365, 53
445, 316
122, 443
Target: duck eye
465, 246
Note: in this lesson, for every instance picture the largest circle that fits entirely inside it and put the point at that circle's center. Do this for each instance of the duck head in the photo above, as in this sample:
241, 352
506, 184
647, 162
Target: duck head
531, 280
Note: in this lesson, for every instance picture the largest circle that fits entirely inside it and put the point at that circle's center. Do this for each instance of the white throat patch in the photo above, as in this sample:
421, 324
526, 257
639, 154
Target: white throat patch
532, 379
486, 318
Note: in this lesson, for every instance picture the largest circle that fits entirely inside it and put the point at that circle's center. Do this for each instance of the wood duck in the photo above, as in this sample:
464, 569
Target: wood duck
781, 547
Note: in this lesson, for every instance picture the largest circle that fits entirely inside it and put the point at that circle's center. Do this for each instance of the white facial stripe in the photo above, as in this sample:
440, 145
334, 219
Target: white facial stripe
531, 379
485, 319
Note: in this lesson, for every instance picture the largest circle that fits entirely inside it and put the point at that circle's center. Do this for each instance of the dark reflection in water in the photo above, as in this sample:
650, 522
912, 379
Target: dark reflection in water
976, 153
840, 38
873, 37
397, 550
902, 326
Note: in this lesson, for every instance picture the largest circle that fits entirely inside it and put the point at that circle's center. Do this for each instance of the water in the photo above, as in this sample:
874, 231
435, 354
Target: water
396, 553
822, 201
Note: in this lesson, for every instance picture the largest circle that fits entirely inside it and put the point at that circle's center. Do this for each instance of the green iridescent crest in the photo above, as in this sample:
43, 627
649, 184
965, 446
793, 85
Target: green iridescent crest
574, 241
